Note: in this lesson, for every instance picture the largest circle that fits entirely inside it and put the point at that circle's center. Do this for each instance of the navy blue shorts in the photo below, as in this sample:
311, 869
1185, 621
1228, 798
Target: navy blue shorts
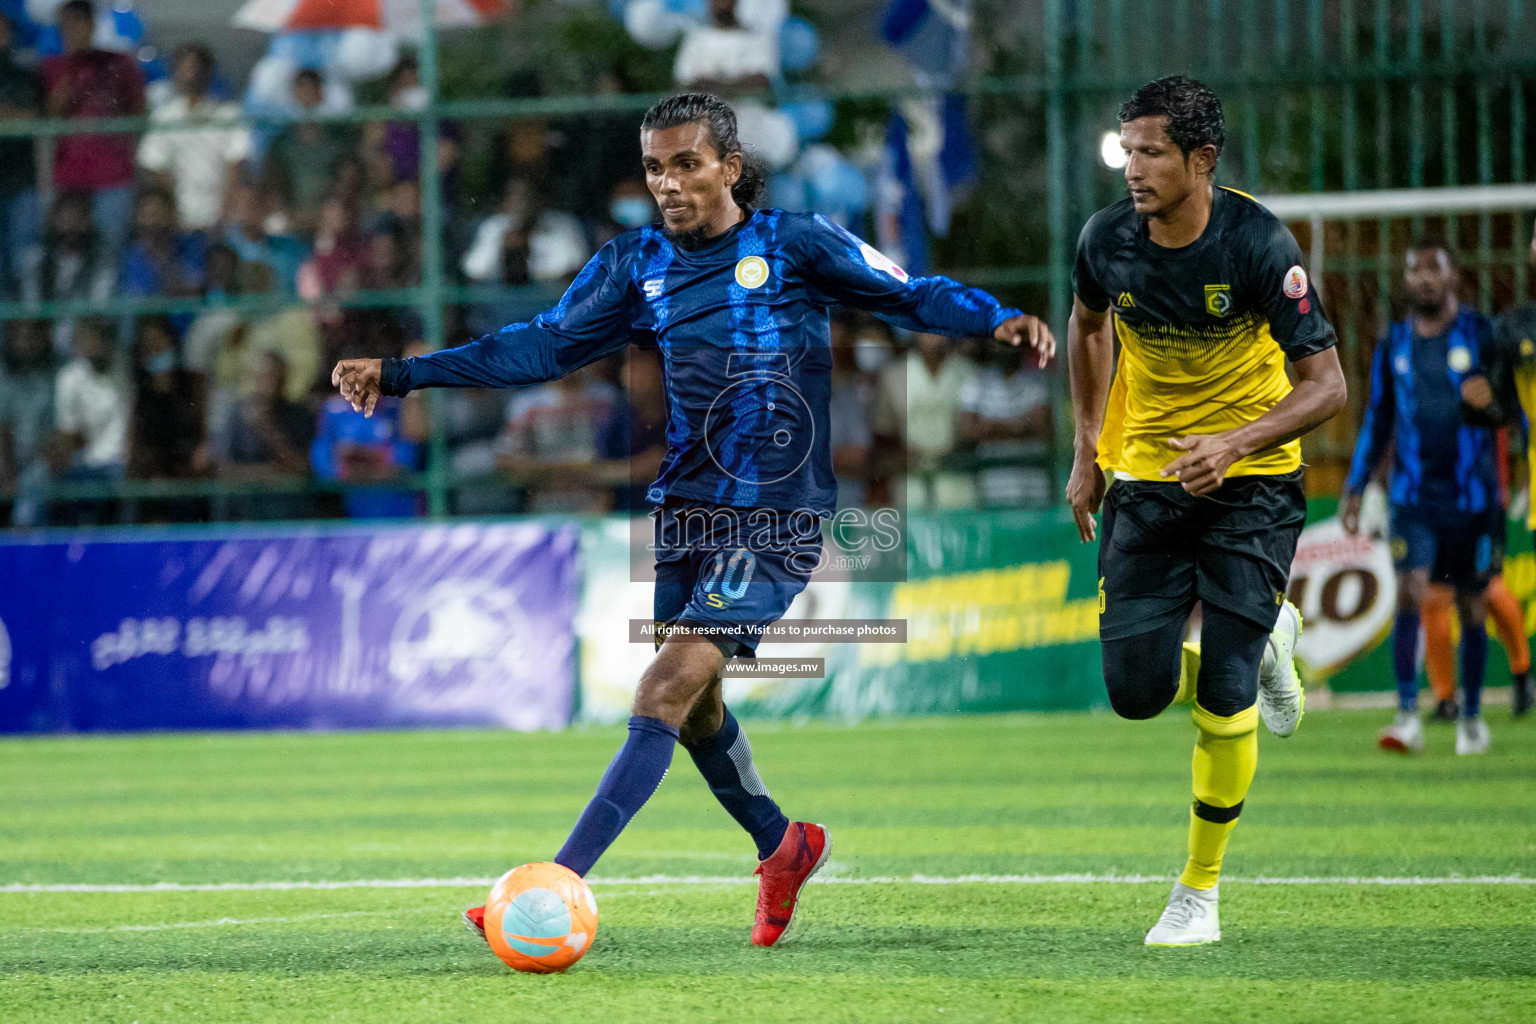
1462, 549
731, 572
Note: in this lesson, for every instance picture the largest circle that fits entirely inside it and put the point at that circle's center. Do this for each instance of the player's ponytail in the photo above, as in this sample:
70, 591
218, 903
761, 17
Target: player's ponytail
719, 120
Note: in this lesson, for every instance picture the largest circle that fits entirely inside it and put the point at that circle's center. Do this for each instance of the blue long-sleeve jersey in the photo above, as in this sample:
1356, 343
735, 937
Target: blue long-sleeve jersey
742, 326
1442, 462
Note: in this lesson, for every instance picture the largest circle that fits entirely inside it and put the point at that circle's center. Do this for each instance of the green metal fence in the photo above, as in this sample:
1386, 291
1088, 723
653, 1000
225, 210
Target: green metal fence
1342, 95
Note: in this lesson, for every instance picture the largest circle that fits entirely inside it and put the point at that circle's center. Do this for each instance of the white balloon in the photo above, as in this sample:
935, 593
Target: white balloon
362, 54
650, 24
271, 84
770, 134
762, 15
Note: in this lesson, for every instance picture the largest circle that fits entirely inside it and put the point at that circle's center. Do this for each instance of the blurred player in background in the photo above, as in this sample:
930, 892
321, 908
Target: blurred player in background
1200, 431
1509, 389
1444, 489
737, 299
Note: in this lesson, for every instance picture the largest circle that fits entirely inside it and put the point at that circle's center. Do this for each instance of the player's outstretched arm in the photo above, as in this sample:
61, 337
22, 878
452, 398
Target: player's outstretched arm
592, 320
1090, 364
848, 271
1319, 393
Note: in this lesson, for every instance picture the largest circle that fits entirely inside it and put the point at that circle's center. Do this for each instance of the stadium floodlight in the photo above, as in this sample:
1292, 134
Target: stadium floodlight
1110, 151
1317, 207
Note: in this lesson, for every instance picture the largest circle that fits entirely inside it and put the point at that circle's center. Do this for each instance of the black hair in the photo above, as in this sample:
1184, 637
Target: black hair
1434, 243
309, 75
78, 9
719, 120
1192, 109
198, 51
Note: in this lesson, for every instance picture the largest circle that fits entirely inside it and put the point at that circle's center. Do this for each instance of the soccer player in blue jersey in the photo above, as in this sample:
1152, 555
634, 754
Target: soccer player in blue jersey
737, 299
1445, 494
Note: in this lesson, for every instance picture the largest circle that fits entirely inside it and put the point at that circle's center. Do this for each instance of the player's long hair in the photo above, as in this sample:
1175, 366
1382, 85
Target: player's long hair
719, 120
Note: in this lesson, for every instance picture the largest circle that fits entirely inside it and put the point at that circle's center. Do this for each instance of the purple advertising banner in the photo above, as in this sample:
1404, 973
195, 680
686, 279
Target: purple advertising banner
306, 627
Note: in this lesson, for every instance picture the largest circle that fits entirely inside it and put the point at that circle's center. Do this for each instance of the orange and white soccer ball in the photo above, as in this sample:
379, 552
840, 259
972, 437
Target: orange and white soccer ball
540, 918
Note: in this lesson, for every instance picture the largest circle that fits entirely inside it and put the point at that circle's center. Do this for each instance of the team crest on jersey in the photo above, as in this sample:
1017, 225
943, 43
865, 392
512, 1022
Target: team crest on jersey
1125, 301
1459, 359
880, 261
1527, 348
653, 288
1295, 283
1218, 299
752, 272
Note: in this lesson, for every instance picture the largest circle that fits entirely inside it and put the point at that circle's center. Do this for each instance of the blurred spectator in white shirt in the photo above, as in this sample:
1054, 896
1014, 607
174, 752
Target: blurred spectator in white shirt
1005, 410
920, 397
735, 49
197, 159
90, 405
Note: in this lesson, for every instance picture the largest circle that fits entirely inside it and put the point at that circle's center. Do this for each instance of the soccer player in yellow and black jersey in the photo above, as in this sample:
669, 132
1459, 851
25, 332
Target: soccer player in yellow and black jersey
1204, 291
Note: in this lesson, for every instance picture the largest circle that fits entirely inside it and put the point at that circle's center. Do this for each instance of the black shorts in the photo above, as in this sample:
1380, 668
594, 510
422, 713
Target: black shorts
1162, 550
1462, 549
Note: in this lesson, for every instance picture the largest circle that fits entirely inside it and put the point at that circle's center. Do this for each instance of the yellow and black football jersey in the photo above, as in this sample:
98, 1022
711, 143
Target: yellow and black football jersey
1203, 331
1512, 372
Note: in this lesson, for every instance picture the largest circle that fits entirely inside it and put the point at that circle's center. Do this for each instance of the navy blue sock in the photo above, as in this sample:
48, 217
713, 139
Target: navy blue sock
632, 776
1474, 659
1405, 659
725, 761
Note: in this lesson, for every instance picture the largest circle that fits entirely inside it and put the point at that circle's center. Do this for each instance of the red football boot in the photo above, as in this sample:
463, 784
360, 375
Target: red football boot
801, 853
474, 920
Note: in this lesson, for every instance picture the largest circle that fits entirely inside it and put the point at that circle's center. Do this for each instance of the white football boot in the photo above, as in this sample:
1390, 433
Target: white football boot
1471, 735
1191, 918
1405, 735
1281, 699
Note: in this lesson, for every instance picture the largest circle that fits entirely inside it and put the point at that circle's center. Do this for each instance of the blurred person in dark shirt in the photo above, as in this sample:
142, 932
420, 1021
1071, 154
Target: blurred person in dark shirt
21, 99
248, 235
264, 437
162, 259
71, 262
304, 158
633, 441
167, 422
84, 82
26, 397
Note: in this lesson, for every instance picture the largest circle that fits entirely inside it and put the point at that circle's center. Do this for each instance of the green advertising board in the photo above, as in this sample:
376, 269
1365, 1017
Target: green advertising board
1001, 613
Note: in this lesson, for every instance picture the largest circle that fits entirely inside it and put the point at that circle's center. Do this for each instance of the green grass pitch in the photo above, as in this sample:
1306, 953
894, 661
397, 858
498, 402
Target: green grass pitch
988, 796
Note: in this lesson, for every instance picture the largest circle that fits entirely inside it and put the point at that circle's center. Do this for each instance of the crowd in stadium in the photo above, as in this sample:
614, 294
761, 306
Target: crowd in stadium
207, 208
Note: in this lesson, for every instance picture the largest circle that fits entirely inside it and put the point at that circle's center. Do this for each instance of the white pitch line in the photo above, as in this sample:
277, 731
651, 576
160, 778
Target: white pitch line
709, 880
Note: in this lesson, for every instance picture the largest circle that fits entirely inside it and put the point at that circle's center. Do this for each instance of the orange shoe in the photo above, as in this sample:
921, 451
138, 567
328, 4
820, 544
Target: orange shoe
801, 853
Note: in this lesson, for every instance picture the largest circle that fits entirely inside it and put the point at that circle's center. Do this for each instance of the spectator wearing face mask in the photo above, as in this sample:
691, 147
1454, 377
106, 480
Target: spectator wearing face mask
630, 206
167, 422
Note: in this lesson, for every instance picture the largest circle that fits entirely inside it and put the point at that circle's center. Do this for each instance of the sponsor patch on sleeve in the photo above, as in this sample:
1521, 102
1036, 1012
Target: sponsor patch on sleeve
880, 261
1295, 283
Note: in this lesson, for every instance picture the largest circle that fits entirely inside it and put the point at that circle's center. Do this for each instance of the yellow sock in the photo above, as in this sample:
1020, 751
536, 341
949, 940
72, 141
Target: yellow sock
1226, 754
1189, 672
